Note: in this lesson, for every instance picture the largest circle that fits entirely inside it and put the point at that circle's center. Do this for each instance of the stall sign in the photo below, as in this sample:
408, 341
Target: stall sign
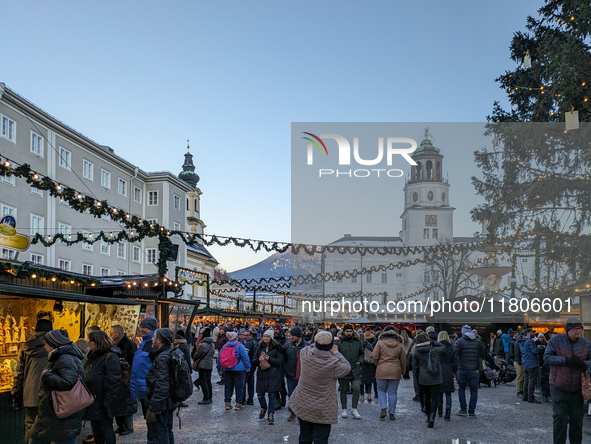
9, 238
186, 276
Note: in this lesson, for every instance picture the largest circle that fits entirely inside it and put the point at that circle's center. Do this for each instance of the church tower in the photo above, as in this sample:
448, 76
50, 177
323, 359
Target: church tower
188, 175
427, 218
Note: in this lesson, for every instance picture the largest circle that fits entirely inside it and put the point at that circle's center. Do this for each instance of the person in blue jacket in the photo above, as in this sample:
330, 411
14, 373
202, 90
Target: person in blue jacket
141, 362
531, 366
235, 376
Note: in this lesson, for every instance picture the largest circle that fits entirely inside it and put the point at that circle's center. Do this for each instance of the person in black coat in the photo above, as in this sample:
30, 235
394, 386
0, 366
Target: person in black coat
64, 369
270, 380
449, 365
102, 376
128, 349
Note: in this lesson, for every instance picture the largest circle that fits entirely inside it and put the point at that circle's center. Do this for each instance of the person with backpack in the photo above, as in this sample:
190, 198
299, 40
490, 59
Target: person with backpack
268, 359
426, 361
102, 376
233, 363
159, 400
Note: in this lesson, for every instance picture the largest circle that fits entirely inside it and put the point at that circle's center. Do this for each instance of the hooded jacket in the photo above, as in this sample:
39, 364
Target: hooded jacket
204, 354
559, 348
389, 356
158, 381
506, 340
315, 397
470, 351
353, 351
64, 369
32, 360
291, 352
139, 369
128, 348
102, 376
420, 358
529, 354
271, 379
181, 343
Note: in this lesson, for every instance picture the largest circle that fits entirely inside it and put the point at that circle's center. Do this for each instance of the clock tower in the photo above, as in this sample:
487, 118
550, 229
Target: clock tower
427, 218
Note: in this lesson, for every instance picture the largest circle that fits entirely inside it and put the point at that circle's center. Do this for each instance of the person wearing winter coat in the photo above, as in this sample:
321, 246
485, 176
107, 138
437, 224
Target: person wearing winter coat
32, 360
269, 380
235, 376
203, 363
449, 366
368, 373
102, 376
569, 355
181, 343
519, 373
250, 345
128, 349
314, 400
470, 350
352, 349
530, 352
141, 361
429, 379
291, 350
390, 361
160, 405
64, 369
409, 354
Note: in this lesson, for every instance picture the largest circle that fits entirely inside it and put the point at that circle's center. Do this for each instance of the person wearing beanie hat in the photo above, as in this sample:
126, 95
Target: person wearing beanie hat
291, 350
333, 329
149, 323
233, 363
32, 359
268, 360
159, 402
250, 344
313, 400
470, 351
142, 362
63, 370
568, 355
427, 353
530, 359
270, 332
353, 350
203, 360
498, 344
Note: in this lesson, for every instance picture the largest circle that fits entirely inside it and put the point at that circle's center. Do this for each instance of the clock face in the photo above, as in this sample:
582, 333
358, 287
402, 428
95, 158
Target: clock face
443, 197
415, 197
430, 195
431, 220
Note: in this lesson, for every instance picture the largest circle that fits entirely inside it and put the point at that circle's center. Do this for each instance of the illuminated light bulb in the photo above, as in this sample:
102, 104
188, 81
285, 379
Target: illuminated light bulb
98, 203
93, 284
35, 176
7, 163
145, 284
128, 286
71, 282
53, 279
33, 275
134, 284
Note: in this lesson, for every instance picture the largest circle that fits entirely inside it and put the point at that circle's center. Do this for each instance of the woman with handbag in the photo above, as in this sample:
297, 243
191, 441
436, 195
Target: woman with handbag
102, 376
64, 369
268, 358
203, 363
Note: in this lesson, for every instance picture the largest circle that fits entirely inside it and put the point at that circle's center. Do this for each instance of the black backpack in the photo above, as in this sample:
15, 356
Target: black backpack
181, 384
433, 366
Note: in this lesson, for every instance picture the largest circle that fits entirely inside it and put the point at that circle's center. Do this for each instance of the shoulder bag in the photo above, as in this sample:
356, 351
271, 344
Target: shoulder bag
66, 403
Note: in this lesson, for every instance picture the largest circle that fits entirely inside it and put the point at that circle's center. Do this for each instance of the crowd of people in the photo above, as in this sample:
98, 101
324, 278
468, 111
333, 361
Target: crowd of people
298, 368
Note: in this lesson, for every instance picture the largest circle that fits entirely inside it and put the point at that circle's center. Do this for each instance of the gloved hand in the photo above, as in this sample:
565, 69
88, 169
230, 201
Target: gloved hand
579, 364
570, 362
150, 417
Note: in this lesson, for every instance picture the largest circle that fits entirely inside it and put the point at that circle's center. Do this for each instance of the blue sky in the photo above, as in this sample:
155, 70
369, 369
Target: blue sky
232, 76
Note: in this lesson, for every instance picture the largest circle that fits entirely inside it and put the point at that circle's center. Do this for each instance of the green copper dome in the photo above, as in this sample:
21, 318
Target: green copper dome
188, 174
426, 148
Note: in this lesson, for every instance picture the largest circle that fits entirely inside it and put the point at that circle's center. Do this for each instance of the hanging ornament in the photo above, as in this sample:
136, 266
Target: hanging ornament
527, 60
572, 119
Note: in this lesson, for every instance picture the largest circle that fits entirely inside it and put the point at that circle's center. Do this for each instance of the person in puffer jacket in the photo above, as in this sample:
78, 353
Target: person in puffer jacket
64, 369
530, 352
234, 377
569, 356
141, 361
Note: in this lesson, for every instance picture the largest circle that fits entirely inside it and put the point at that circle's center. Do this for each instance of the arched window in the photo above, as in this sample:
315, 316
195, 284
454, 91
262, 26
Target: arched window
196, 209
429, 170
419, 171
438, 171
188, 208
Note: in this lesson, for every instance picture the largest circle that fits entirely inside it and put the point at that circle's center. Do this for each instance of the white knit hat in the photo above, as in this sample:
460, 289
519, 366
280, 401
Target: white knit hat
270, 332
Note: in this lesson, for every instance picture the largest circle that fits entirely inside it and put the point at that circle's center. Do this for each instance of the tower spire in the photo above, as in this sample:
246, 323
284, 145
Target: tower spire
188, 174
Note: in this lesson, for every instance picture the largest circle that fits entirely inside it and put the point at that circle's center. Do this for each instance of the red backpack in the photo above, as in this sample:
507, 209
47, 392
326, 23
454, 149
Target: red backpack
228, 357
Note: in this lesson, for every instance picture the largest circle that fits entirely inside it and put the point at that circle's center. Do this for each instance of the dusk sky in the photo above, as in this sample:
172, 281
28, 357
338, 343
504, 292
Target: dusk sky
143, 77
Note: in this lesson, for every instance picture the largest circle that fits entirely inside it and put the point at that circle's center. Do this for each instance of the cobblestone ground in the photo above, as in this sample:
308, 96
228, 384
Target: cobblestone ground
501, 418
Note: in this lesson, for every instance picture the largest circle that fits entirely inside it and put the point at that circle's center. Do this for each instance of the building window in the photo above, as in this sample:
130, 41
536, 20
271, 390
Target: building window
151, 252
353, 279
385, 298
87, 269
10, 255
65, 160
152, 198
121, 250
425, 233
399, 278
36, 191
64, 264
122, 188
137, 194
120, 273
106, 179
398, 295
339, 280
196, 209
87, 169
427, 276
136, 254
8, 129
177, 226
7, 210
368, 278
37, 259
524, 260
384, 278
10, 180
435, 275
36, 144
36, 224
188, 204
86, 245
435, 233
105, 248
105, 271
153, 221
177, 202
65, 230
